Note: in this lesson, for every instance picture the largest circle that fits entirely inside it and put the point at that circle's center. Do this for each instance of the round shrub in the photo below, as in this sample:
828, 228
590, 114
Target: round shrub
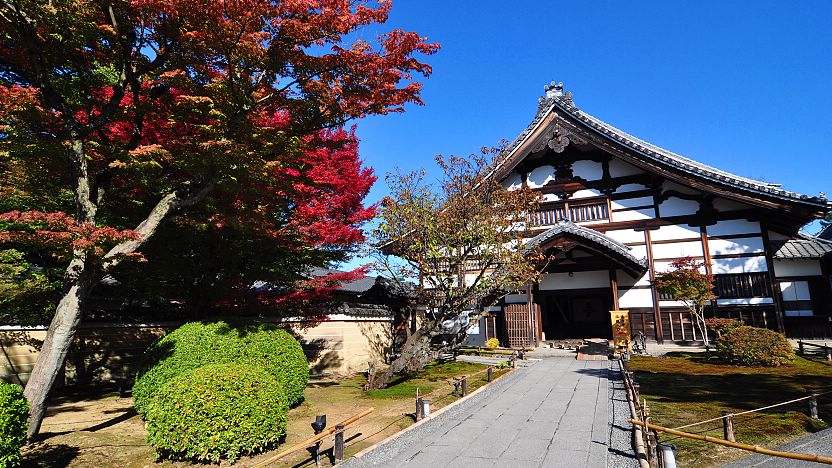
492, 343
217, 411
196, 344
752, 346
14, 411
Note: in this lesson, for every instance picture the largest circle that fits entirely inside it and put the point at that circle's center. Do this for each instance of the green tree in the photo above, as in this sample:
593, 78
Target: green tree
457, 246
687, 283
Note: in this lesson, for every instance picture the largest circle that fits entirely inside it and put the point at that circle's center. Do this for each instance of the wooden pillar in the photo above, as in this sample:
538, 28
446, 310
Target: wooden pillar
775, 286
614, 288
657, 316
709, 269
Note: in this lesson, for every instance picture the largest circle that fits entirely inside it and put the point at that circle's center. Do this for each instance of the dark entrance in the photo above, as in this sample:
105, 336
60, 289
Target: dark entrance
581, 313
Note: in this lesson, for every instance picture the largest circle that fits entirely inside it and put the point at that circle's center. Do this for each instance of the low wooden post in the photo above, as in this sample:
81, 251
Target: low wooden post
728, 426
828, 352
419, 407
813, 406
464, 385
800, 349
338, 450
490, 373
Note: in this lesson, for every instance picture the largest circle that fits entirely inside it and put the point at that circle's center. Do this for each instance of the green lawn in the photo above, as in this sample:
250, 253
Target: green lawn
683, 388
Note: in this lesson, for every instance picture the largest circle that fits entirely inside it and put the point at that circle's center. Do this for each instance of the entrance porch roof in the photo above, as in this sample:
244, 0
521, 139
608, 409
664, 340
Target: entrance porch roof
567, 232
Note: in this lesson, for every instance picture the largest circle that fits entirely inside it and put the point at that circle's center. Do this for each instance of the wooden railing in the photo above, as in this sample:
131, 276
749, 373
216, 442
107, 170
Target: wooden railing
577, 213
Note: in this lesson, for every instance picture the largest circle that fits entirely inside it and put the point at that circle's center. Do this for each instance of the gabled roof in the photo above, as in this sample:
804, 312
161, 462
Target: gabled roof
558, 104
806, 247
592, 239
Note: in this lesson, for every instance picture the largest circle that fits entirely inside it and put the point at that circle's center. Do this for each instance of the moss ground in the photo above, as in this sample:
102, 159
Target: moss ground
96, 428
685, 388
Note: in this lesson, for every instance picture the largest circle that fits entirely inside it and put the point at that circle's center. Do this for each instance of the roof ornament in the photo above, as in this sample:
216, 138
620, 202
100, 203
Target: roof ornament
822, 196
558, 138
555, 91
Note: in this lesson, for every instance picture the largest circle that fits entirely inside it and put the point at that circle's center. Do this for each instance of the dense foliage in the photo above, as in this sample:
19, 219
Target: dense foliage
492, 343
120, 118
455, 245
752, 346
692, 283
721, 326
271, 350
217, 411
14, 411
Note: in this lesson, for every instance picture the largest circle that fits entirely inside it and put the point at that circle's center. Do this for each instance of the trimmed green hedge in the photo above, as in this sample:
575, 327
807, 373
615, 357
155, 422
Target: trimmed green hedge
217, 411
14, 411
752, 346
196, 344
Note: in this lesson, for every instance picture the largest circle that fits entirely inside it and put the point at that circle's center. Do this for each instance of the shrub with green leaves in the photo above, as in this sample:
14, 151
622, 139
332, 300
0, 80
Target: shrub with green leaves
14, 411
492, 343
217, 411
196, 344
752, 346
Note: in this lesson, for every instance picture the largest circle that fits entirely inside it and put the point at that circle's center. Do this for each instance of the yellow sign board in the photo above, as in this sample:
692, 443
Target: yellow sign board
621, 331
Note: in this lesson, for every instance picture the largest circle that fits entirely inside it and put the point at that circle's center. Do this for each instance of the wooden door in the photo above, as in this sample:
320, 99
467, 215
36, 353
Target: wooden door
518, 327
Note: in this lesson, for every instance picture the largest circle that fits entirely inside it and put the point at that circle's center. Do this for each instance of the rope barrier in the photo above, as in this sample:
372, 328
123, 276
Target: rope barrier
750, 448
753, 410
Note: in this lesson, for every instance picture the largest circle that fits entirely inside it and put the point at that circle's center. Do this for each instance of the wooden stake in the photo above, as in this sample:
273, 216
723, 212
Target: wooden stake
813, 406
490, 373
338, 450
464, 385
728, 426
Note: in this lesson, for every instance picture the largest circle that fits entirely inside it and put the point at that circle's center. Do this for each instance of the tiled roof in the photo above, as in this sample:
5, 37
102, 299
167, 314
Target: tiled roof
826, 233
595, 237
360, 285
803, 248
557, 99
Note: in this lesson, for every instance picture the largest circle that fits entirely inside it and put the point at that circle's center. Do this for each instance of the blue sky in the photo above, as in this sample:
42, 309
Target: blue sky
743, 86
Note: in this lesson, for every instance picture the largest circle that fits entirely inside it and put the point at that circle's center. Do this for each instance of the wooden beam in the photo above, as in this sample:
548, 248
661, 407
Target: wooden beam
657, 315
775, 286
706, 250
614, 288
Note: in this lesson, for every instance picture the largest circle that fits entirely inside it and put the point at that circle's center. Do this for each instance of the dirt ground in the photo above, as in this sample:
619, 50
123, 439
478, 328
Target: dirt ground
103, 430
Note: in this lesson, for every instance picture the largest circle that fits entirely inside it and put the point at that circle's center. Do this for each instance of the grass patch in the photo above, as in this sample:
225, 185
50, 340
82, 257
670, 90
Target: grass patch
683, 388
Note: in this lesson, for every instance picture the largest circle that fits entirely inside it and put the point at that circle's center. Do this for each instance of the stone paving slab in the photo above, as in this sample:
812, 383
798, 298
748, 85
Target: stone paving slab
556, 412
819, 443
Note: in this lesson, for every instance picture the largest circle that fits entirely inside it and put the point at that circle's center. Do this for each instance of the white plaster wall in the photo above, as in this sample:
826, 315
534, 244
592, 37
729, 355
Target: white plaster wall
619, 168
513, 182
677, 250
783, 268
739, 265
635, 298
735, 246
588, 170
626, 236
579, 280
540, 176
639, 251
630, 188
550, 197
675, 232
586, 193
747, 301
646, 213
662, 266
626, 280
721, 204
631, 202
678, 207
734, 226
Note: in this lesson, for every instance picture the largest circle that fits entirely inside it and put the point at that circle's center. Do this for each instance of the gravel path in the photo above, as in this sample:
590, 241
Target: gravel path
555, 412
819, 443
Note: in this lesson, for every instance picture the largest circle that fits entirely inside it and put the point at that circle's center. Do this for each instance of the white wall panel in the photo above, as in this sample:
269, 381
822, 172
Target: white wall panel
783, 268
635, 298
734, 226
588, 170
675, 232
513, 182
678, 249
540, 176
638, 251
625, 279
619, 168
721, 204
736, 246
630, 188
579, 280
739, 265
678, 207
515, 299
587, 193
748, 301
632, 215
626, 236
631, 202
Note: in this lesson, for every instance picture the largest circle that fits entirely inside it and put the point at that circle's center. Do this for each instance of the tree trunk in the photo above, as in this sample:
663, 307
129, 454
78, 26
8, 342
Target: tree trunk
412, 349
55, 347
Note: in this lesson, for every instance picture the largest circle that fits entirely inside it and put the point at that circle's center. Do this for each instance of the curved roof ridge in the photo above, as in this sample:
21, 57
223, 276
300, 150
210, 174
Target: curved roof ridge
569, 227
556, 97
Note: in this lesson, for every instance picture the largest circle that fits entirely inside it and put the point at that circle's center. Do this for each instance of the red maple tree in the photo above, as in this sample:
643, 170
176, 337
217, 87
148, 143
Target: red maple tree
132, 112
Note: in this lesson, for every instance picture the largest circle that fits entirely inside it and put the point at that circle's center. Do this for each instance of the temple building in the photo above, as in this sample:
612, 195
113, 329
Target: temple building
616, 211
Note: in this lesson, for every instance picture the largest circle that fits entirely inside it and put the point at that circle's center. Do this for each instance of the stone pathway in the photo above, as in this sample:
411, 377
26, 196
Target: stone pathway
553, 413
819, 443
